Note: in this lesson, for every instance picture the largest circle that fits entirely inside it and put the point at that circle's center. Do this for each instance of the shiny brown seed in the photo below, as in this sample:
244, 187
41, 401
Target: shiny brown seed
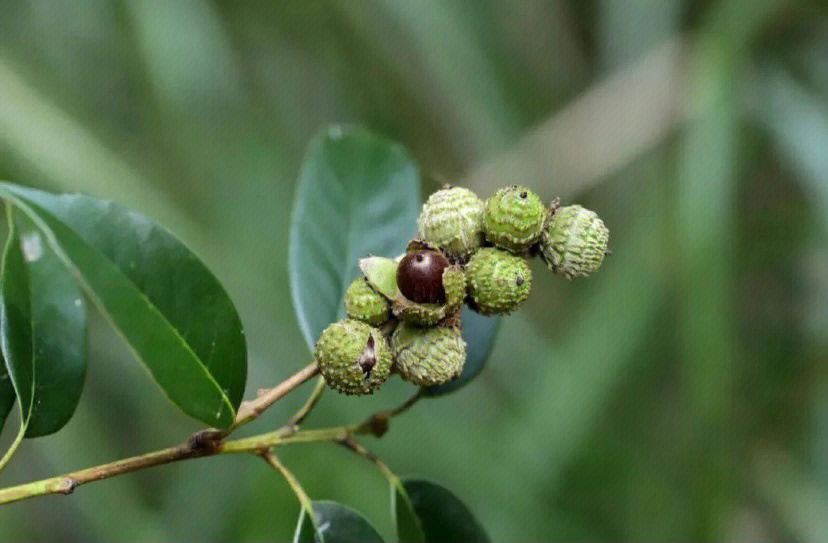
420, 277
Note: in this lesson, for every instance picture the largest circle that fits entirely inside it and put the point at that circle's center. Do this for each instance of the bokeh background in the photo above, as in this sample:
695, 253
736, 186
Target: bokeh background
680, 394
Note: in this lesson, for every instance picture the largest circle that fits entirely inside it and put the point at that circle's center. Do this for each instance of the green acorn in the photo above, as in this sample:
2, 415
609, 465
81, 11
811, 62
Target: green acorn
354, 358
514, 218
365, 304
499, 282
574, 242
452, 220
428, 356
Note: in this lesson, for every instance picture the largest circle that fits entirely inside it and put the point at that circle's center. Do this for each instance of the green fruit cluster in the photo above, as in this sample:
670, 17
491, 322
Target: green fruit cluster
467, 252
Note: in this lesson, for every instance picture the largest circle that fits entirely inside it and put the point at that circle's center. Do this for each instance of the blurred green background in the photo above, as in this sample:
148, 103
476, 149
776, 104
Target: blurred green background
680, 394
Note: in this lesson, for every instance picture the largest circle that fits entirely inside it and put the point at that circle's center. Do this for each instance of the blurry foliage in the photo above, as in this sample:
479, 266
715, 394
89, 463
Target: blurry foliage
679, 395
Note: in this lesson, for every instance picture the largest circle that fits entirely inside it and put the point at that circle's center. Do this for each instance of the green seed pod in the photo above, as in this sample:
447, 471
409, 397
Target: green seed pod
574, 242
365, 304
428, 356
499, 282
354, 358
427, 314
452, 220
514, 218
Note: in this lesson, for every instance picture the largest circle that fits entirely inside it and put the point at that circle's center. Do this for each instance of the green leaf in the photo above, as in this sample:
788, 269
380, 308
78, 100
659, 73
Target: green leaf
442, 515
406, 522
334, 523
171, 310
305, 529
358, 194
7, 395
44, 339
479, 333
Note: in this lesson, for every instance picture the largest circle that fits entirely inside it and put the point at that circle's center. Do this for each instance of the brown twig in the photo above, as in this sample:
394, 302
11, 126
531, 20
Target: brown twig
251, 409
211, 442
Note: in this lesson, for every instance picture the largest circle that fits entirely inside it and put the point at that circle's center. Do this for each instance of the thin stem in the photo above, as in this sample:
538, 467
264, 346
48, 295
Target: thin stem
251, 409
196, 447
282, 437
353, 445
210, 442
13, 447
271, 458
299, 417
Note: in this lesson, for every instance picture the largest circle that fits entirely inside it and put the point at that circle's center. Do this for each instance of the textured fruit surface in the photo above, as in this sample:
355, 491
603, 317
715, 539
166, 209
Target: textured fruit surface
574, 242
428, 356
354, 358
365, 304
420, 277
499, 282
514, 218
454, 283
418, 314
452, 219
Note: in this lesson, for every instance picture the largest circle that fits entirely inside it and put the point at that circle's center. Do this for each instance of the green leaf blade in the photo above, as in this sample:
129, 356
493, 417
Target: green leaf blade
479, 333
15, 324
358, 194
406, 522
7, 395
172, 311
335, 523
44, 330
443, 517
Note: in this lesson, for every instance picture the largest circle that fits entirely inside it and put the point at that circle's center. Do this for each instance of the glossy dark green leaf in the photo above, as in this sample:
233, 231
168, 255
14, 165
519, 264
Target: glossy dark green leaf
172, 311
7, 395
479, 333
358, 194
406, 522
334, 523
44, 339
443, 517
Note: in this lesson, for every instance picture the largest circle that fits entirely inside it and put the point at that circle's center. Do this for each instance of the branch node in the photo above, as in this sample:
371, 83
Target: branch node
67, 486
378, 424
206, 440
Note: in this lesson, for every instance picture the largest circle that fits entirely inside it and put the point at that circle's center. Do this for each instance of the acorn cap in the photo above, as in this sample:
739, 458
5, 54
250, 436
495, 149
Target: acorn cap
514, 218
499, 282
428, 356
452, 220
365, 304
354, 358
574, 242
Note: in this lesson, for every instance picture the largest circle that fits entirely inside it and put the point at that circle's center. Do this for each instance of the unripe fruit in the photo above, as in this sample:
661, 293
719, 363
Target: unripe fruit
574, 242
354, 358
428, 356
452, 220
514, 218
365, 304
420, 277
499, 282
